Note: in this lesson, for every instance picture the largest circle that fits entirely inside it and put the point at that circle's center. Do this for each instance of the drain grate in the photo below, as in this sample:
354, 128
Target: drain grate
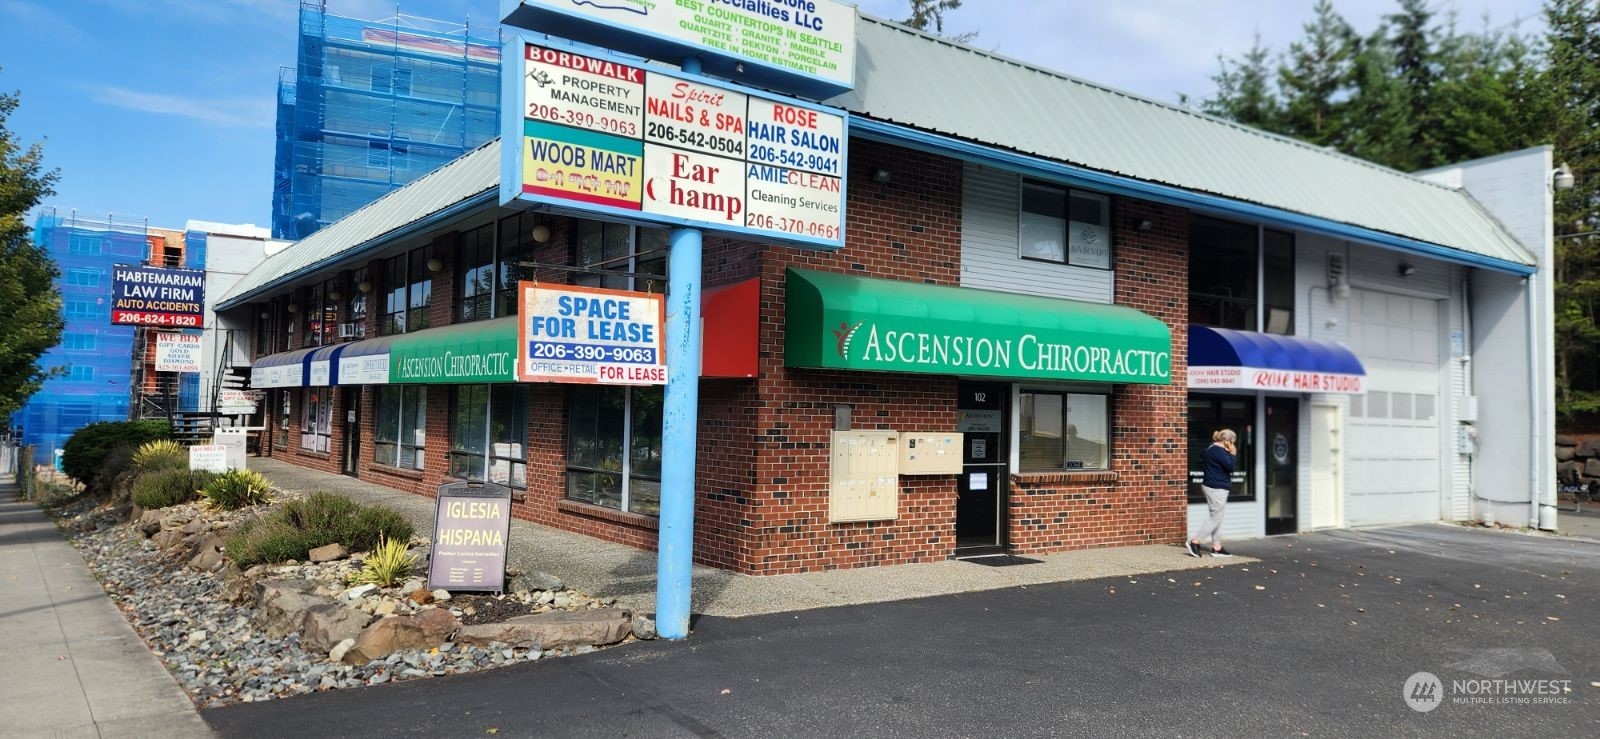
1000, 560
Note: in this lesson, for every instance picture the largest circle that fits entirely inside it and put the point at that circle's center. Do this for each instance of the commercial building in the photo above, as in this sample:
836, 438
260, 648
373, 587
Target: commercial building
1070, 285
370, 106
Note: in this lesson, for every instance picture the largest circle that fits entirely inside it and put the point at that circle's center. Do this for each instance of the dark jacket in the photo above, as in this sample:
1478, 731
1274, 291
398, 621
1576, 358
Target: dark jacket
1218, 465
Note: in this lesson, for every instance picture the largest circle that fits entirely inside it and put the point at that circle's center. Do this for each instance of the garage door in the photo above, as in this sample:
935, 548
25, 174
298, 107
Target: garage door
1392, 448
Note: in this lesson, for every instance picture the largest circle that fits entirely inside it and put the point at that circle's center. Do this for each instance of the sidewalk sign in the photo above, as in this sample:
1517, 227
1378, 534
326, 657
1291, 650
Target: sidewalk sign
471, 528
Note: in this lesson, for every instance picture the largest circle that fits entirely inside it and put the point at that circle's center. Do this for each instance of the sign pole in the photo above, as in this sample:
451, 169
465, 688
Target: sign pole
680, 423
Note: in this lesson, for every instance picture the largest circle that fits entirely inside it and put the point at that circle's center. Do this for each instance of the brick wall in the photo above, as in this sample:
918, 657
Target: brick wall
1141, 500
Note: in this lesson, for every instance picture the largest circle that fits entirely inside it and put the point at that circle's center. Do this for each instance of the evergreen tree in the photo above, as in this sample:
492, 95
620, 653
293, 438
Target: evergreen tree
1316, 77
926, 13
1377, 120
1244, 90
1415, 59
28, 297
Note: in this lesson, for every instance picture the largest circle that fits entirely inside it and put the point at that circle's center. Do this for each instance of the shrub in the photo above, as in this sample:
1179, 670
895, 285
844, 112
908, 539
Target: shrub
237, 488
295, 527
168, 487
84, 454
116, 473
161, 454
389, 563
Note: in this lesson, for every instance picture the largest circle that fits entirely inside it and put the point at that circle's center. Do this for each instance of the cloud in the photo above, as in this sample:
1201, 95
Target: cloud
235, 113
40, 21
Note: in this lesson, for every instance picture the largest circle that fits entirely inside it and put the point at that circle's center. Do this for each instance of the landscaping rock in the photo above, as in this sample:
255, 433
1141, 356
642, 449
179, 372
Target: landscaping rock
1565, 453
1589, 449
337, 653
197, 526
149, 522
168, 538
358, 592
1569, 472
238, 587
281, 605
329, 553
644, 627
1591, 468
535, 581
553, 630
209, 556
425, 630
421, 597
441, 594
325, 626
1564, 440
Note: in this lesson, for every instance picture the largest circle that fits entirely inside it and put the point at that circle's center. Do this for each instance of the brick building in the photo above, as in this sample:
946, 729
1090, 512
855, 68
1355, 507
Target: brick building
986, 242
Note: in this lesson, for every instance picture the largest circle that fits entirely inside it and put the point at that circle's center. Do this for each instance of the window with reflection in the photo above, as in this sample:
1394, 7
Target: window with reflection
1057, 224
1207, 414
477, 274
614, 447
1241, 276
401, 427
1060, 431
488, 433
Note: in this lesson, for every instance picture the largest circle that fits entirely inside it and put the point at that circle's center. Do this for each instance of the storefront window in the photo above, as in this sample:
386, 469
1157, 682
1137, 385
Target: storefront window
357, 307
401, 427
1207, 413
316, 416
1235, 266
1068, 226
1063, 431
602, 422
488, 433
1277, 283
285, 412
408, 286
512, 248
623, 257
477, 273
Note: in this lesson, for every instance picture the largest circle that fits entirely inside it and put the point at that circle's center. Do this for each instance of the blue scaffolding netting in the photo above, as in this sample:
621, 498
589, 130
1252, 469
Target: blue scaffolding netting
373, 105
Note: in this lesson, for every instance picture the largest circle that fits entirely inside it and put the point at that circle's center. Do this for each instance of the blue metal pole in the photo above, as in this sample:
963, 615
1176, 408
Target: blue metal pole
680, 421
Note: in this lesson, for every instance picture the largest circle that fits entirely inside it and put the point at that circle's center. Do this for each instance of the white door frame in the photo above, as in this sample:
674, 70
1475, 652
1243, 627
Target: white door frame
1326, 440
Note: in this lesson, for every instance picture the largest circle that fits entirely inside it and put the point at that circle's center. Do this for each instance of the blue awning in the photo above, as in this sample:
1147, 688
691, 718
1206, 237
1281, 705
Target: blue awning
320, 366
285, 369
1225, 358
364, 362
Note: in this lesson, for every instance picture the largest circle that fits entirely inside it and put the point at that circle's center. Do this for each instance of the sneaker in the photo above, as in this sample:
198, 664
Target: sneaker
1221, 552
1194, 551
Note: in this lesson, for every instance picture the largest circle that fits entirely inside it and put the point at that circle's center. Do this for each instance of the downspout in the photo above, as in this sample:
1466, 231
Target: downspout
1533, 405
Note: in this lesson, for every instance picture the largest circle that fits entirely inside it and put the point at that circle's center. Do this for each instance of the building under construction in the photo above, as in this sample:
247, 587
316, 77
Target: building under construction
372, 105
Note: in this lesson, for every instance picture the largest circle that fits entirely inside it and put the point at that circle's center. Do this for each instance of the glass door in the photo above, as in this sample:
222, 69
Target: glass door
1283, 470
352, 431
981, 490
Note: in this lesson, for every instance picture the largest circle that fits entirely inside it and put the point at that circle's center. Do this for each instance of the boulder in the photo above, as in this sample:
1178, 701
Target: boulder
643, 627
1565, 453
327, 625
553, 630
425, 630
168, 538
197, 526
329, 553
281, 605
1591, 468
238, 588
149, 522
1564, 440
1589, 449
535, 581
337, 653
208, 556
1569, 472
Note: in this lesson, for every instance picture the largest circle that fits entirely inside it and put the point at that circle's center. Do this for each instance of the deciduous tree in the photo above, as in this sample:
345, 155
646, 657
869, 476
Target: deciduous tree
29, 303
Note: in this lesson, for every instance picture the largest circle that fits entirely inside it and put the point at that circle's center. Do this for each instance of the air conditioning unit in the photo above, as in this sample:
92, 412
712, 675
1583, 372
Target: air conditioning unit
351, 331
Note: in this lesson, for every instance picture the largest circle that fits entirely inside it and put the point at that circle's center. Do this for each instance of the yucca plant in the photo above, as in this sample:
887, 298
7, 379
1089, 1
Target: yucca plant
161, 454
388, 564
237, 488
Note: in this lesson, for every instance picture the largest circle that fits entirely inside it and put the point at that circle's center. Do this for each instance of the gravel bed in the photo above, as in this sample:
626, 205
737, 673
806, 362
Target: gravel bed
211, 647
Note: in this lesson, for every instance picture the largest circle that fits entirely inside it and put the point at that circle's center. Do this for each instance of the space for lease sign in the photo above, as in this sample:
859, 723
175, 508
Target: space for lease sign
590, 335
613, 139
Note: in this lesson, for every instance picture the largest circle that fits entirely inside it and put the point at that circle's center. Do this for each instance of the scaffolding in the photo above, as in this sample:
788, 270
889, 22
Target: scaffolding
96, 357
373, 105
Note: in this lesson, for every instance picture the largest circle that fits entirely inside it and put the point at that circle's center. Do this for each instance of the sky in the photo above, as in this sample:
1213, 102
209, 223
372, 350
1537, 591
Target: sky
164, 109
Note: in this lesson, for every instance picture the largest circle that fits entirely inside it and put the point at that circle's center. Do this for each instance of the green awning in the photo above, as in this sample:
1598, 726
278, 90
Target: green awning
476, 351
835, 321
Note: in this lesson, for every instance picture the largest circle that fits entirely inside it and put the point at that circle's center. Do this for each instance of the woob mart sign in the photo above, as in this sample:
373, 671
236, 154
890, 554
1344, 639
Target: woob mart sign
803, 46
603, 137
590, 336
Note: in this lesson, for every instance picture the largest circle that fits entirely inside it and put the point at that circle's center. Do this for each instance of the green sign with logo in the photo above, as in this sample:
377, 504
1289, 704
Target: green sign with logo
480, 351
835, 321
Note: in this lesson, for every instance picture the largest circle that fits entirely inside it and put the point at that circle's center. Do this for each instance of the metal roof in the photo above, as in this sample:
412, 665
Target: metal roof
928, 83
418, 204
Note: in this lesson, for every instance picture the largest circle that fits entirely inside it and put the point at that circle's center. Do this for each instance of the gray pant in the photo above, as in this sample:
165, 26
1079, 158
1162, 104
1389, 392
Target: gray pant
1217, 502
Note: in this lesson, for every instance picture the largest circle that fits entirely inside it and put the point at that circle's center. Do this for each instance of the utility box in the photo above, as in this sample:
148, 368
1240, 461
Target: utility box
864, 476
930, 453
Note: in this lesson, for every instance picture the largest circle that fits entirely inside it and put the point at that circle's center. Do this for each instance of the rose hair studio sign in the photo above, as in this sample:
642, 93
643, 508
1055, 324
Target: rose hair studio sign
590, 335
157, 296
1290, 381
603, 137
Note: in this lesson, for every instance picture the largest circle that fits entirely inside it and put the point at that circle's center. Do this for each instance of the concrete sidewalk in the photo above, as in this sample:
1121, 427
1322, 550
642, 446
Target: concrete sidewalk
73, 665
603, 569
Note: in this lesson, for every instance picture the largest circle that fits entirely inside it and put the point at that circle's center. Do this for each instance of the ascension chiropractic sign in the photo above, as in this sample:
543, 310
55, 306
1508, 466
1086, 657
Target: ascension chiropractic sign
590, 335
839, 321
804, 46
599, 136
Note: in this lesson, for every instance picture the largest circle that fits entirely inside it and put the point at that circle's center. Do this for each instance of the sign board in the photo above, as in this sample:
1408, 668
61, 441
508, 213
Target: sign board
802, 46
177, 353
471, 528
1290, 381
208, 457
364, 369
283, 375
590, 335
234, 402
600, 136
157, 296
234, 441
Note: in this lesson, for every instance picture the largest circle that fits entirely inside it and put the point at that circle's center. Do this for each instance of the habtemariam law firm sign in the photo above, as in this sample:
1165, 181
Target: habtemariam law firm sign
598, 136
803, 46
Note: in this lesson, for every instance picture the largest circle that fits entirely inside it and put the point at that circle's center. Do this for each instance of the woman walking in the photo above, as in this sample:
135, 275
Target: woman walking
1218, 461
